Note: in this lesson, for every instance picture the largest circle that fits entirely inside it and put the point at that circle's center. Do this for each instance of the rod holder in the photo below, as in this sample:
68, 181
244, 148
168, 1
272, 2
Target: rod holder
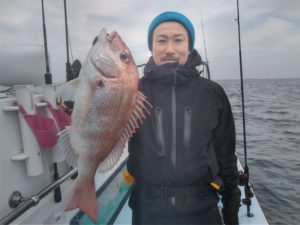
31, 148
50, 96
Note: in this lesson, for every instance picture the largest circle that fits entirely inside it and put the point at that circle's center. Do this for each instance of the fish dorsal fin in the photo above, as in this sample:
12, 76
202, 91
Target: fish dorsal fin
65, 144
138, 114
67, 90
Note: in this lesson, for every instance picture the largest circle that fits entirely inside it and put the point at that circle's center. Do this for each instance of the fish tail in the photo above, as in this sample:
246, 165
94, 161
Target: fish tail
84, 197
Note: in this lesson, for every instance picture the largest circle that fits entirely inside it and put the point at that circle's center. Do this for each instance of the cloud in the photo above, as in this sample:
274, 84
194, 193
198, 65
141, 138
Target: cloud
268, 28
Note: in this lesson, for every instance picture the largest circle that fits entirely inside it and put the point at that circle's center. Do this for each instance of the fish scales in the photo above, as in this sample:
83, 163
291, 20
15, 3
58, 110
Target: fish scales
96, 126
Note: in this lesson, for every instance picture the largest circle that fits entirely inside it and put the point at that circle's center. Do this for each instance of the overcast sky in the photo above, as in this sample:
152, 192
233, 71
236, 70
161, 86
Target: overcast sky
270, 31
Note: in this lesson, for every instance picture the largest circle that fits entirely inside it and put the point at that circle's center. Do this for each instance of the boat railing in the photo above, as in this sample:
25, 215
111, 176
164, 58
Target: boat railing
23, 204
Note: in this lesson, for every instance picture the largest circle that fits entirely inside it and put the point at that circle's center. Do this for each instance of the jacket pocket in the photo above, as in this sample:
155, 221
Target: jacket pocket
160, 150
193, 205
187, 127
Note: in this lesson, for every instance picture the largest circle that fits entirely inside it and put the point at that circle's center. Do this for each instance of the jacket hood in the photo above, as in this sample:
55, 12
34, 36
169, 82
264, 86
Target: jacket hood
173, 73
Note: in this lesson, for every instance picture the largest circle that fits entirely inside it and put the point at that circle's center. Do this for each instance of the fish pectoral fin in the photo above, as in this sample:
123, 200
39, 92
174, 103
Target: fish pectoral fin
67, 90
84, 197
138, 114
65, 145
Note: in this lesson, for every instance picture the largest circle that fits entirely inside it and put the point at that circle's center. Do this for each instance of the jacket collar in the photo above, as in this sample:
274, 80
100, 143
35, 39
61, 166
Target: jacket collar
173, 73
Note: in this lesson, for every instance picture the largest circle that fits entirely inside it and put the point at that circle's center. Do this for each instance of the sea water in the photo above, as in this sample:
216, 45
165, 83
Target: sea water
272, 112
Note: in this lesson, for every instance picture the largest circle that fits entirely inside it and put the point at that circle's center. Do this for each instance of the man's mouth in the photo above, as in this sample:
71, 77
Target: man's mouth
170, 59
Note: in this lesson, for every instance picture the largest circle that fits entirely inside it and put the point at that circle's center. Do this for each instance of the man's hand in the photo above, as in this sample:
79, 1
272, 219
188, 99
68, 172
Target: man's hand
231, 204
230, 217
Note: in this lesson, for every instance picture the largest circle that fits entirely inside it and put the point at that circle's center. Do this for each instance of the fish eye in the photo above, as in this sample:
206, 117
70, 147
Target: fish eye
124, 56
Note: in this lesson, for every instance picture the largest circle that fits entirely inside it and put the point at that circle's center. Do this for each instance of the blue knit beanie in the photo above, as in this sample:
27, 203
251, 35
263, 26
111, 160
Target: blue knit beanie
172, 16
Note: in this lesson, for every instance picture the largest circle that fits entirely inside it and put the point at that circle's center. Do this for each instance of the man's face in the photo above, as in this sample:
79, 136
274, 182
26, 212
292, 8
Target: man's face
170, 43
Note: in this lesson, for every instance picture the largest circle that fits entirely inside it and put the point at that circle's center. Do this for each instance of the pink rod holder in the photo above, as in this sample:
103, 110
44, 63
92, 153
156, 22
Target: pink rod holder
42, 127
31, 151
59, 116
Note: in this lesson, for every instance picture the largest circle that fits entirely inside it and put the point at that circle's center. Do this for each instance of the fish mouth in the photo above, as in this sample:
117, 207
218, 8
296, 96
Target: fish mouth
99, 60
104, 36
111, 36
99, 69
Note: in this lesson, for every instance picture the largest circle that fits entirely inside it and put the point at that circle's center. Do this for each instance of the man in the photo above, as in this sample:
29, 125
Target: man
183, 154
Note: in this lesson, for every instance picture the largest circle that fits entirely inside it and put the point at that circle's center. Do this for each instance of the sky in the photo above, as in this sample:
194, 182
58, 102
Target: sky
270, 32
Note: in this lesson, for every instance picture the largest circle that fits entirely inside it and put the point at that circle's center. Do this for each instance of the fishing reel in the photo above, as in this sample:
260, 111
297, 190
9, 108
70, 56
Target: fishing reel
243, 180
66, 106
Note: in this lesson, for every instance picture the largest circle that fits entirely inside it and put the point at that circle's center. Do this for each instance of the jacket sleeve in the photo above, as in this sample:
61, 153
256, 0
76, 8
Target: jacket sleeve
224, 144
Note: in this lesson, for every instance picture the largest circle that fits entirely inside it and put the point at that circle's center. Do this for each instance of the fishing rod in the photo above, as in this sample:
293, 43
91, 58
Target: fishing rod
69, 75
48, 75
48, 80
244, 176
205, 63
203, 37
68, 64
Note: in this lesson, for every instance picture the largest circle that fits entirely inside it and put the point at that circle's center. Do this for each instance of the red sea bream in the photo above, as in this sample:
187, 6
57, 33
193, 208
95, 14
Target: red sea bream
108, 108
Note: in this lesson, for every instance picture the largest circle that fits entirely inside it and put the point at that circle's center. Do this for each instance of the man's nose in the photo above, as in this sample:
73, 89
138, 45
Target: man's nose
170, 48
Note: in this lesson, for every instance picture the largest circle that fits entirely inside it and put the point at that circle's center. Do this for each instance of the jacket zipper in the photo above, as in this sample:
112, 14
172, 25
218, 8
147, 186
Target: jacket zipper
173, 143
159, 132
187, 127
173, 149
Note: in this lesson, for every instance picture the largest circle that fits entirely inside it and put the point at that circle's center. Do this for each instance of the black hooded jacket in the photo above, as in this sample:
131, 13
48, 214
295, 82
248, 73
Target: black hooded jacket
189, 113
